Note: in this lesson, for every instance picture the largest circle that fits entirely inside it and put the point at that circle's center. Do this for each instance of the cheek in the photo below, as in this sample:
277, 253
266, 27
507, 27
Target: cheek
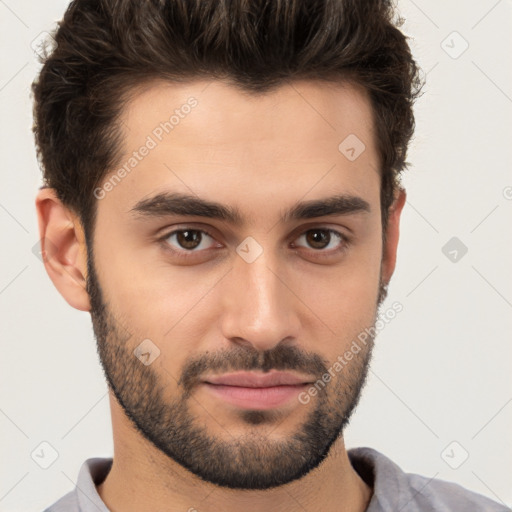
345, 303
158, 301
344, 298
157, 306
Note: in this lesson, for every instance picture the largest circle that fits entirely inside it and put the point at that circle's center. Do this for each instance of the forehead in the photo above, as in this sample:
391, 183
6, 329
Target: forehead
210, 139
294, 112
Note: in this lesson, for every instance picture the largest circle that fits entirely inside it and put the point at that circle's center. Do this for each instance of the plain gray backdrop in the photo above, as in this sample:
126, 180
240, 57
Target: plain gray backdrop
439, 397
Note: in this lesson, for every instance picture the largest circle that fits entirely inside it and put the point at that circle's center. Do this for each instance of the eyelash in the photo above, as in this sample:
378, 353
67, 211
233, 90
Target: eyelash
344, 242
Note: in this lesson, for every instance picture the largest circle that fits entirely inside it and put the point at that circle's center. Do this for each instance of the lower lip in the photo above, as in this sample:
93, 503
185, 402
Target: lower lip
256, 398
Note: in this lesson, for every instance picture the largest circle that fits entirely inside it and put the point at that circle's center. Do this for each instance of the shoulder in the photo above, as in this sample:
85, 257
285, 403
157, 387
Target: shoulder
85, 497
449, 496
394, 489
68, 503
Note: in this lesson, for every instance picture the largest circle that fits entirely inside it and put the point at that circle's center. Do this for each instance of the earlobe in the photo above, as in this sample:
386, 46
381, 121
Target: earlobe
63, 248
392, 235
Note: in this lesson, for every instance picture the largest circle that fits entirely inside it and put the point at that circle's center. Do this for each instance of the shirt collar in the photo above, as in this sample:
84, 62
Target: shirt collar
379, 472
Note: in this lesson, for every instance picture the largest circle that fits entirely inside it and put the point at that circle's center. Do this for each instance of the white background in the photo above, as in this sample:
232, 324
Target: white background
441, 371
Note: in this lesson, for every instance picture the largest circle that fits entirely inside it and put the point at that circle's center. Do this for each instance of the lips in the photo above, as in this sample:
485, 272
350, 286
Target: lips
256, 390
258, 380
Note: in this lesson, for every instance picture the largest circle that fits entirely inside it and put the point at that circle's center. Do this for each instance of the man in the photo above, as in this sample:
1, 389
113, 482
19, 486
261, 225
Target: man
222, 194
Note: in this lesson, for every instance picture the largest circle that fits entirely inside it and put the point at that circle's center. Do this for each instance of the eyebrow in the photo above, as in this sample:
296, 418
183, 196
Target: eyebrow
166, 204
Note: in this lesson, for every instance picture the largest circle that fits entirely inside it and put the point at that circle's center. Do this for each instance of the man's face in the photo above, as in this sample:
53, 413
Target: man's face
258, 294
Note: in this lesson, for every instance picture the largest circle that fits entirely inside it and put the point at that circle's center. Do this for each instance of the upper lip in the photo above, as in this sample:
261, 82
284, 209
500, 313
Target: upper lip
257, 380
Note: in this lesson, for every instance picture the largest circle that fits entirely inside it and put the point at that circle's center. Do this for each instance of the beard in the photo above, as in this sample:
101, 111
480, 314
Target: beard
252, 460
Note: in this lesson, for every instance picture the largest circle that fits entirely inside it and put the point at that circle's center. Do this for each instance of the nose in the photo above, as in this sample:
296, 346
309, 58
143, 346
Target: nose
258, 307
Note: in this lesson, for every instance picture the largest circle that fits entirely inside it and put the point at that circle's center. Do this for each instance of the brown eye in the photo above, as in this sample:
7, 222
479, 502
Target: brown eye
318, 239
188, 240
323, 239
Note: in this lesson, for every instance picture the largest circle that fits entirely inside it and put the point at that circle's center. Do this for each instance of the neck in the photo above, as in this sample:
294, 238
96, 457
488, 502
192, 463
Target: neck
143, 479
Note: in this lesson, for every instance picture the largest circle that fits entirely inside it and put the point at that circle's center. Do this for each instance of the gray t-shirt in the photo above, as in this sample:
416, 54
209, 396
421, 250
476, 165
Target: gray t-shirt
393, 489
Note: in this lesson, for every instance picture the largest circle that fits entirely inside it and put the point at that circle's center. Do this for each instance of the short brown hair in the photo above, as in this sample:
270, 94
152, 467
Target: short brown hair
107, 47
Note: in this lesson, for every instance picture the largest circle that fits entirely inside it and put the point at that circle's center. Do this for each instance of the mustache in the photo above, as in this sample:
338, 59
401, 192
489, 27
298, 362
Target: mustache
281, 357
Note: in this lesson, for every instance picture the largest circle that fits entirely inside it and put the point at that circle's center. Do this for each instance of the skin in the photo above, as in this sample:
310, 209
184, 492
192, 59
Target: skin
261, 154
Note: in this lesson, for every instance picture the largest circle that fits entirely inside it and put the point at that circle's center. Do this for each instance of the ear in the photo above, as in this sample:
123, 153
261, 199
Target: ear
63, 248
392, 235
